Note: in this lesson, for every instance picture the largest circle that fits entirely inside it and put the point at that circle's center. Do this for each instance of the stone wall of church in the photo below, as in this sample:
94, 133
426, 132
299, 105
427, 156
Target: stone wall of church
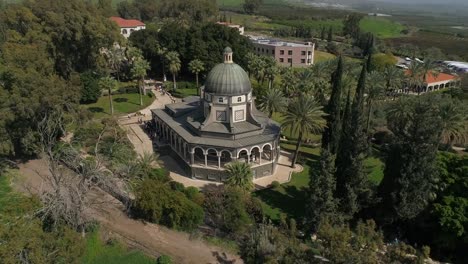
221, 175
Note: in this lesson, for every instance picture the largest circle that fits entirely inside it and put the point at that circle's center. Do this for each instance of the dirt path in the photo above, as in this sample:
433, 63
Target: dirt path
152, 239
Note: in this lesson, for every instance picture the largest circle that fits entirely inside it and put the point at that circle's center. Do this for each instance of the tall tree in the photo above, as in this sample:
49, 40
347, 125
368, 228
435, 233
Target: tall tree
351, 25
330, 34
139, 68
251, 6
270, 70
322, 204
410, 171
240, 175
393, 78
454, 116
304, 116
273, 101
173, 60
375, 90
352, 186
109, 84
196, 66
331, 133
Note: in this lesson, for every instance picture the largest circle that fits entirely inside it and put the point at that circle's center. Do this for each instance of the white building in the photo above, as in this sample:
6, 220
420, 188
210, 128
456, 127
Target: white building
127, 26
238, 27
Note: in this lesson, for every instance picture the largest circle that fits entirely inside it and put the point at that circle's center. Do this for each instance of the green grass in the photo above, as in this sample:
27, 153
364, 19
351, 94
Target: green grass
381, 27
123, 104
374, 168
287, 198
240, 3
182, 93
320, 56
115, 253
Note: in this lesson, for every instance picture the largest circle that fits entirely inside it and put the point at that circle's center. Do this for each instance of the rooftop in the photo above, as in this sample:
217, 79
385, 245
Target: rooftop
278, 43
433, 78
127, 23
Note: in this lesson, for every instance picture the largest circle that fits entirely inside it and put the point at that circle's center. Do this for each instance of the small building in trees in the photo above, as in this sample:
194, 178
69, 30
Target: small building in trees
240, 28
220, 126
128, 26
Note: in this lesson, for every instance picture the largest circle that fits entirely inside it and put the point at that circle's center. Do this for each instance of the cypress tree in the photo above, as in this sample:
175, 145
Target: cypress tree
322, 33
331, 134
410, 166
351, 186
330, 34
322, 204
369, 63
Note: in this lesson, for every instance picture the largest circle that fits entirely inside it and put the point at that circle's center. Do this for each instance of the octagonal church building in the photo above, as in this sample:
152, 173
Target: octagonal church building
204, 134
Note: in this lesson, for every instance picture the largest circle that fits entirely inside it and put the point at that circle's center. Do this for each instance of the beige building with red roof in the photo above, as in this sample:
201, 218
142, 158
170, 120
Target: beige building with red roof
437, 81
127, 26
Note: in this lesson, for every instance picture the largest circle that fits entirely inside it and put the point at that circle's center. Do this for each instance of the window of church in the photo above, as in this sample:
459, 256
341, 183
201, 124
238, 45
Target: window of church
221, 116
239, 115
220, 100
239, 99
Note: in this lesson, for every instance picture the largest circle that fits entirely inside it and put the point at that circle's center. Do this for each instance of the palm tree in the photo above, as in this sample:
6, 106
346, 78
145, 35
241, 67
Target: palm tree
455, 122
114, 58
416, 76
304, 116
161, 51
196, 66
109, 84
147, 161
174, 65
288, 80
250, 58
393, 79
240, 175
138, 71
270, 70
375, 84
273, 101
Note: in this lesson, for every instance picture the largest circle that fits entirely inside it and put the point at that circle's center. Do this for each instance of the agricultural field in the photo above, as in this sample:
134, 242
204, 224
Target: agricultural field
381, 27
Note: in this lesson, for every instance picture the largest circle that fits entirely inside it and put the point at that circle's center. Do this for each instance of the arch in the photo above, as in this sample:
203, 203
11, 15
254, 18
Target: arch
124, 31
267, 144
225, 157
243, 155
212, 157
255, 153
244, 149
199, 156
198, 147
267, 153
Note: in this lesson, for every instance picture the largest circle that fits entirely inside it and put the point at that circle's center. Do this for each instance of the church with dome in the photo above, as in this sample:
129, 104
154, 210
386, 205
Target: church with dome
205, 133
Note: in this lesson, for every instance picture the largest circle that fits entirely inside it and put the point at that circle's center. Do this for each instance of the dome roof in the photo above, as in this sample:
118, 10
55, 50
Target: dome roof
227, 79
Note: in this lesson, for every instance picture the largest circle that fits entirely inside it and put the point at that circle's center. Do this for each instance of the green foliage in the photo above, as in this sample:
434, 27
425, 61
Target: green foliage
332, 131
181, 10
90, 90
204, 42
273, 101
251, 6
352, 183
114, 251
339, 244
22, 235
304, 116
157, 202
240, 176
410, 168
231, 209
164, 259
267, 244
351, 25
321, 203
381, 61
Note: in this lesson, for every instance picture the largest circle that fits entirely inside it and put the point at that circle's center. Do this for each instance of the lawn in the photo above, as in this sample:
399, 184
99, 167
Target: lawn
381, 27
320, 56
123, 104
97, 252
289, 198
182, 93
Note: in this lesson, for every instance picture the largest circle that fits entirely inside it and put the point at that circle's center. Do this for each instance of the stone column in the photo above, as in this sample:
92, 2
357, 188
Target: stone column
206, 159
260, 157
192, 157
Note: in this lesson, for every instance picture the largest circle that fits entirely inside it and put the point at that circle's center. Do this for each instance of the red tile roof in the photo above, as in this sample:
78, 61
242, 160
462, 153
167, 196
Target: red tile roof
441, 77
127, 23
